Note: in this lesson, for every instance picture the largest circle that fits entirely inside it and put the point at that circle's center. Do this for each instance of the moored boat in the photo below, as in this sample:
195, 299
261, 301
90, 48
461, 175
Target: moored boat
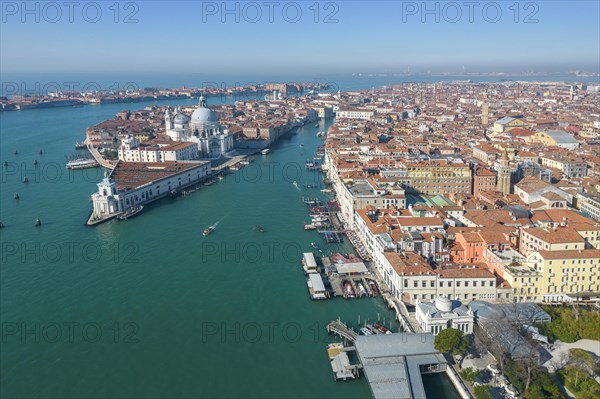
365, 331
131, 212
381, 328
373, 329
361, 290
311, 226
82, 163
348, 290
264, 151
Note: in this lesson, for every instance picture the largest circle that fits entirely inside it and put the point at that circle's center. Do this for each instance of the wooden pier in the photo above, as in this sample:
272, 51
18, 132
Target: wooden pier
341, 329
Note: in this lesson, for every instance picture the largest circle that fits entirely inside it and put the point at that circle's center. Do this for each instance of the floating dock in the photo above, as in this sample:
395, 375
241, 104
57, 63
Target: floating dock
340, 363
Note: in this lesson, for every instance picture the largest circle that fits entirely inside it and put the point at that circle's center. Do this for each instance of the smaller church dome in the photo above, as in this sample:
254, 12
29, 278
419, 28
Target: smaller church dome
181, 119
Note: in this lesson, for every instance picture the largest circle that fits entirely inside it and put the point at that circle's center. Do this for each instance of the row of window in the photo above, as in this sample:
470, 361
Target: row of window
475, 283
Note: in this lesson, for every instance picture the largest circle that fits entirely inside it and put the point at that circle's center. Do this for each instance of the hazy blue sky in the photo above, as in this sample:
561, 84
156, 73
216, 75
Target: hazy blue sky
195, 36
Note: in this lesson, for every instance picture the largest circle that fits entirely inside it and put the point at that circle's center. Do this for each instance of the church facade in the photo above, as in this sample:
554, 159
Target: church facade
202, 128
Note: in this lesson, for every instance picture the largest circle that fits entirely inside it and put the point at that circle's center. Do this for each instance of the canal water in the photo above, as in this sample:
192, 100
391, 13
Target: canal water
150, 307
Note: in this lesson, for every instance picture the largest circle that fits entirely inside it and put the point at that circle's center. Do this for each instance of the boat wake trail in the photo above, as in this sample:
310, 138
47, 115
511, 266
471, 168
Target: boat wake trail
217, 223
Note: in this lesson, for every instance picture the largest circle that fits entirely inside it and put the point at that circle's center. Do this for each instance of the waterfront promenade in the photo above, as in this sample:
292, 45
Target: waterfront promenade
98, 157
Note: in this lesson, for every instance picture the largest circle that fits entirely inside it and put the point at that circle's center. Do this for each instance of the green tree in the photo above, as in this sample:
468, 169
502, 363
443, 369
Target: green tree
482, 392
469, 374
451, 341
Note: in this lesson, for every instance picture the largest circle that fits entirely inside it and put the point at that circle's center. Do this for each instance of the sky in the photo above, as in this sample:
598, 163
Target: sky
318, 37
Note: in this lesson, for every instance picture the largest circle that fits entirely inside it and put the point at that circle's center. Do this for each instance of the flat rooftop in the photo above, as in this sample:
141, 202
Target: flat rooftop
361, 187
392, 363
130, 175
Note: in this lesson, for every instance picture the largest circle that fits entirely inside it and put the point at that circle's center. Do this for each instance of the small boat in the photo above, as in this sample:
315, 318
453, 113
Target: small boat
41, 152
16, 195
265, 151
361, 290
365, 331
317, 124
5, 163
208, 230
38, 222
348, 290
130, 213
374, 288
25, 179
381, 328
16, 152
80, 145
260, 229
35, 162
221, 177
311, 226
373, 329
314, 245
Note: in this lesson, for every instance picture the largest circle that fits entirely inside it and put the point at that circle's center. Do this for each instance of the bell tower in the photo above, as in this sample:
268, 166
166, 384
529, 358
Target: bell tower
504, 174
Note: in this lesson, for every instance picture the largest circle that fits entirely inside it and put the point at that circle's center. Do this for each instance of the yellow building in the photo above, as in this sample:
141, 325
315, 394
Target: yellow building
525, 282
572, 273
438, 177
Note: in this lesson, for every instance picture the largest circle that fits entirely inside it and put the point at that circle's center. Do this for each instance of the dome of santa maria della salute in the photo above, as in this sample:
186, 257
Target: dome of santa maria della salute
204, 114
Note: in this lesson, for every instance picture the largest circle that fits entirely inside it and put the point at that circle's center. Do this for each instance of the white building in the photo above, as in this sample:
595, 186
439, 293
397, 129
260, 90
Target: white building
130, 184
355, 113
132, 151
442, 313
202, 128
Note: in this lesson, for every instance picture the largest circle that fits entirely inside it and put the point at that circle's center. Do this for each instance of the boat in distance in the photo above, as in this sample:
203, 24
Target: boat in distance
82, 163
208, 230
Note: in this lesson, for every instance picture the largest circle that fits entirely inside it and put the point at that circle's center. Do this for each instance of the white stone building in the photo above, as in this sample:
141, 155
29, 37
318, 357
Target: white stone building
202, 128
130, 184
442, 313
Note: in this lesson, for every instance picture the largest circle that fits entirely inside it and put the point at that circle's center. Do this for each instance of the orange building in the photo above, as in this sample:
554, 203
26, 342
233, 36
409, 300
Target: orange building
467, 248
